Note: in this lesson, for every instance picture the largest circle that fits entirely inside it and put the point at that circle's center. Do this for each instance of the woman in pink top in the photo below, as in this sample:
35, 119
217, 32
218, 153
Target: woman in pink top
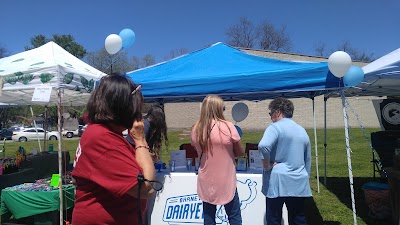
217, 142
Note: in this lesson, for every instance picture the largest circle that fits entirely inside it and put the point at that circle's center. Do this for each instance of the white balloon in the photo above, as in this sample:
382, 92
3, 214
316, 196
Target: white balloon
339, 63
240, 111
113, 43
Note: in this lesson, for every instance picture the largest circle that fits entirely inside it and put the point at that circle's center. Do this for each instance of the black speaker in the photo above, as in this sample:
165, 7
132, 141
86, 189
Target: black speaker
390, 114
385, 143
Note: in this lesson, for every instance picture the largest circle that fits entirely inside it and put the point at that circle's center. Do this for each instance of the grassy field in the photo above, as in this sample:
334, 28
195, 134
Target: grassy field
333, 204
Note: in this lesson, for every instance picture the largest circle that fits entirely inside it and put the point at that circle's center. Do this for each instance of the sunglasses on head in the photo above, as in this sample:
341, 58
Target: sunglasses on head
138, 88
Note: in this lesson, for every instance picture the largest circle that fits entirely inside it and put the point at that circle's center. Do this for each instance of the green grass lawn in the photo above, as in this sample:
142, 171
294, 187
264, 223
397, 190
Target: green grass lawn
333, 204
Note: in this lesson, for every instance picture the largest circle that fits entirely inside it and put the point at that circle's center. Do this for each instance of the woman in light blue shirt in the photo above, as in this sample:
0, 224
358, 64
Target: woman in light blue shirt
286, 155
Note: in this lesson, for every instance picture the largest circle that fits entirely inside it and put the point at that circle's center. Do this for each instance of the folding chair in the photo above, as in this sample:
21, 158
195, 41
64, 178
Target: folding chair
190, 152
383, 145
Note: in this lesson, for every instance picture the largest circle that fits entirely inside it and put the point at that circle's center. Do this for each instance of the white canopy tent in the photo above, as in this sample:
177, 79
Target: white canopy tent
48, 65
70, 79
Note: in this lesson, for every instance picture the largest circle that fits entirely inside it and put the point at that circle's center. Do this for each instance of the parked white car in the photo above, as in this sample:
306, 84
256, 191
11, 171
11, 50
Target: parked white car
29, 134
70, 133
81, 129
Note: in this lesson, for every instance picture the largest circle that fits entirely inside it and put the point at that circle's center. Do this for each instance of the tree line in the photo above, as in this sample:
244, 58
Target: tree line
244, 34
267, 36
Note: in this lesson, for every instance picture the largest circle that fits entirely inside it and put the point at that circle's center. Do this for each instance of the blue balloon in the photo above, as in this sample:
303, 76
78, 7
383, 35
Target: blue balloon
128, 37
239, 130
353, 77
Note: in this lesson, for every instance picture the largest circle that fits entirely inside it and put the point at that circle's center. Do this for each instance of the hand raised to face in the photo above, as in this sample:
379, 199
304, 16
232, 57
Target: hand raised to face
137, 133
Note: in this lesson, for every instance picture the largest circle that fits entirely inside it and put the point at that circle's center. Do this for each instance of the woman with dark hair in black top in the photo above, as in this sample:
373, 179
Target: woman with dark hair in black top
155, 128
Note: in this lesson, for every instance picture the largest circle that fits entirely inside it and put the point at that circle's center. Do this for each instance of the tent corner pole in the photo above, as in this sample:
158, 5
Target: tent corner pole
348, 150
60, 157
315, 143
46, 128
325, 100
37, 132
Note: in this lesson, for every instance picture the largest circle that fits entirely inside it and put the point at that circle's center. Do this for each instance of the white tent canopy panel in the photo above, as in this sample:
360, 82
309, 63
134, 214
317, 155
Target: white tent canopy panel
48, 65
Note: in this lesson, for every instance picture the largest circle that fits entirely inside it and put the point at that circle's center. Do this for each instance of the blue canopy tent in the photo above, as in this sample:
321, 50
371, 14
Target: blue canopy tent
234, 75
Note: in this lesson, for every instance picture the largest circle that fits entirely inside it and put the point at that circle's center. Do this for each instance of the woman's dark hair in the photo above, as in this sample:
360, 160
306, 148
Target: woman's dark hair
285, 106
158, 129
115, 100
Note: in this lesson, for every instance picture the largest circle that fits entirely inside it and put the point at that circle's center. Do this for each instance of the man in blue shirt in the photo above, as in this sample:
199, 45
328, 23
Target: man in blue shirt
286, 156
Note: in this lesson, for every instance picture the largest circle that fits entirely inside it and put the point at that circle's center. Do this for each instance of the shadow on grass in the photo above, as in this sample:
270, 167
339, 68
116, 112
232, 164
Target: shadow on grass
340, 187
313, 216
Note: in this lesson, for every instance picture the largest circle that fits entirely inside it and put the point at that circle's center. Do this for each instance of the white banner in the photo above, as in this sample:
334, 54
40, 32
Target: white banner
179, 204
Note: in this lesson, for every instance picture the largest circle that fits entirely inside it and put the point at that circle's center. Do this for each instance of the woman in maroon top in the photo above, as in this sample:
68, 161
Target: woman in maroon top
106, 166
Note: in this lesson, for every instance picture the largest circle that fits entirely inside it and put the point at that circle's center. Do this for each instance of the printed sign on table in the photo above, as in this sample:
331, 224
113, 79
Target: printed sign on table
179, 156
255, 160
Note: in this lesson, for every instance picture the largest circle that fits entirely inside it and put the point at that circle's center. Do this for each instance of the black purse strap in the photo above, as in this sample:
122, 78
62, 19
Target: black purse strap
141, 181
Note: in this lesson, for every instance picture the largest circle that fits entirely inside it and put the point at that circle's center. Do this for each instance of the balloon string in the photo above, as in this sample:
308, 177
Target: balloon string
348, 153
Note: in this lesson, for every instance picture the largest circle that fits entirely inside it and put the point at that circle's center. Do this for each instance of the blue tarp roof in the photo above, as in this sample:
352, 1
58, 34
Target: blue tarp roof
233, 75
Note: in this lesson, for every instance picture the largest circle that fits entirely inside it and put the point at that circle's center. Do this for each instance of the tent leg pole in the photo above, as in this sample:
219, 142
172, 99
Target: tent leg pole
325, 99
60, 157
348, 150
37, 133
315, 143
46, 128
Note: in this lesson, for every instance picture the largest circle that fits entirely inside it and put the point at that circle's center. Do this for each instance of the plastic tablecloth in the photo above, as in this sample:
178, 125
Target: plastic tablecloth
32, 202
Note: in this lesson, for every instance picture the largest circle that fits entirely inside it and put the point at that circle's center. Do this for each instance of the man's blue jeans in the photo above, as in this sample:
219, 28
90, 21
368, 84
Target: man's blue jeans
294, 205
232, 209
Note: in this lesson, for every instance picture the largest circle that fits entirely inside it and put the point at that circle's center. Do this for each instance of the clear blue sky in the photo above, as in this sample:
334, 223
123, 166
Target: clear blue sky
163, 25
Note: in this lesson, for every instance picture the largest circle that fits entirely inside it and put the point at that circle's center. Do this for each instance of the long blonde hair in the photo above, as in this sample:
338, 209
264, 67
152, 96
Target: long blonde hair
212, 108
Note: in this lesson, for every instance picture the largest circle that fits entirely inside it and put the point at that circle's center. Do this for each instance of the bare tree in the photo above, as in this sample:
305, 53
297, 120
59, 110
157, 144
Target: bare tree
175, 53
117, 63
242, 34
265, 35
355, 54
320, 49
136, 62
363, 56
344, 46
100, 60
148, 60
3, 52
272, 38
